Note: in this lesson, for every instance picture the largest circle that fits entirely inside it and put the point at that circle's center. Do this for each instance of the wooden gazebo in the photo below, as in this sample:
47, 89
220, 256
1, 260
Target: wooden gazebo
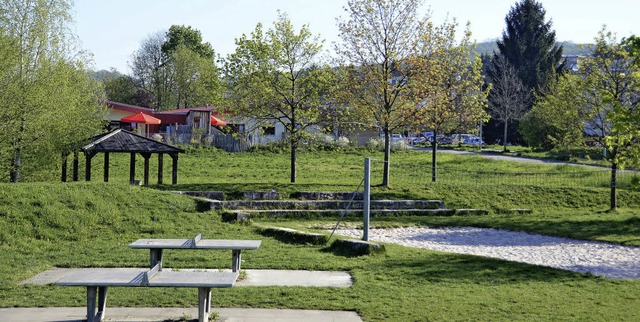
121, 141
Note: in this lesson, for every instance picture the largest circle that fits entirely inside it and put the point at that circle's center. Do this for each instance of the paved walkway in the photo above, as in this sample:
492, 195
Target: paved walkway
77, 314
501, 157
253, 278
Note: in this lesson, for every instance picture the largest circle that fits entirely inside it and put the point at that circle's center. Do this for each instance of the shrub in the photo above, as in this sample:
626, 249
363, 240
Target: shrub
375, 144
399, 146
342, 142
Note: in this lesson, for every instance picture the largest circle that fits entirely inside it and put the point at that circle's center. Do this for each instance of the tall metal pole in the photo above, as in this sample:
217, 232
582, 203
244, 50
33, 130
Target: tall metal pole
366, 198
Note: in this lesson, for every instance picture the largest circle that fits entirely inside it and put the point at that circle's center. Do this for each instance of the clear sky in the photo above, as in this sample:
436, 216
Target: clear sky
113, 29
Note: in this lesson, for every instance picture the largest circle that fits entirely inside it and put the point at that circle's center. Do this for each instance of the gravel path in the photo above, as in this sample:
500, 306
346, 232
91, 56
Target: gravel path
603, 259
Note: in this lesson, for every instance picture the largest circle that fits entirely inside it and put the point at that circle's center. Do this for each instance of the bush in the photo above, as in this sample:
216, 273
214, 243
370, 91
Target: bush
342, 142
399, 146
375, 144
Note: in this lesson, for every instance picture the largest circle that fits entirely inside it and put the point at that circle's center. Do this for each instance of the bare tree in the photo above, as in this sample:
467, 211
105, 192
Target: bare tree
150, 68
509, 98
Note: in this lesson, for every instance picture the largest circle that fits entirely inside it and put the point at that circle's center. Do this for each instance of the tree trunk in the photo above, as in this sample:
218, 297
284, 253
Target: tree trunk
387, 156
504, 137
614, 199
16, 160
294, 149
434, 149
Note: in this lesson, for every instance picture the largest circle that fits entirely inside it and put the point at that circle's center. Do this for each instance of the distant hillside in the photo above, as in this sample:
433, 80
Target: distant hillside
569, 48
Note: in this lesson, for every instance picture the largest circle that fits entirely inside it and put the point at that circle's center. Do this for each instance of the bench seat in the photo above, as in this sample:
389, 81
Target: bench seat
98, 280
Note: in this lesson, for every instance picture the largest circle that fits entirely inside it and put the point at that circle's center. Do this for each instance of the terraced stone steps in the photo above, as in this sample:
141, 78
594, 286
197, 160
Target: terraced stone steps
268, 204
324, 204
380, 212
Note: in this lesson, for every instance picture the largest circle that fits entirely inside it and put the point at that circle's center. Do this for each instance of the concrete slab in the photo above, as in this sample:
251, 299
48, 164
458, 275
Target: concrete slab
254, 277
77, 314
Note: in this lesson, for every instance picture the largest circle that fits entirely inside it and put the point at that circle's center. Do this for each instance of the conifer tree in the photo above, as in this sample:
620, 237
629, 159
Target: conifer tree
529, 45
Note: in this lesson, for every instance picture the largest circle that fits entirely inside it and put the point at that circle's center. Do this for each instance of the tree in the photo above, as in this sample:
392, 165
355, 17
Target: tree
151, 70
558, 119
447, 83
378, 38
275, 76
118, 87
44, 87
196, 79
185, 36
604, 95
529, 44
508, 98
177, 69
615, 77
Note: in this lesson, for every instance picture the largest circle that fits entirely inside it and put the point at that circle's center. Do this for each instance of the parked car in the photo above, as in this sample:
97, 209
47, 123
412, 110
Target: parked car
418, 139
395, 137
473, 141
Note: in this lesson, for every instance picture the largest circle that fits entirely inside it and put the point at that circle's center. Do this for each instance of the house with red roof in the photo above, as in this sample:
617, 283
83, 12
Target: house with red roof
205, 118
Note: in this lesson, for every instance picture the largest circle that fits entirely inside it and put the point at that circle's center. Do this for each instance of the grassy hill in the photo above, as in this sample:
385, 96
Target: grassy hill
45, 225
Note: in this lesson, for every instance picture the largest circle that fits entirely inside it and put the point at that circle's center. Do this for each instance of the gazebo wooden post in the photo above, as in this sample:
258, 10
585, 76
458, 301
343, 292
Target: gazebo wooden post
160, 165
63, 176
88, 155
174, 172
146, 157
106, 167
75, 165
132, 167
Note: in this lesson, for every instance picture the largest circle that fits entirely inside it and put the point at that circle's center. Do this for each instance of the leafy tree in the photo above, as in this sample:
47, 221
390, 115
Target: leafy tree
177, 69
557, 119
508, 98
185, 36
275, 76
615, 79
378, 38
447, 83
118, 87
529, 44
48, 102
604, 95
196, 79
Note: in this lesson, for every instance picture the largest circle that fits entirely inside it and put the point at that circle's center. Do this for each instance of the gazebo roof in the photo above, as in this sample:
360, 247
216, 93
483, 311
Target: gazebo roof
120, 140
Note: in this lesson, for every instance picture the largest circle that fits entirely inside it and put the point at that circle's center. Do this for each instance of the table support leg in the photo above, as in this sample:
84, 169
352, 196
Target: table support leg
100, 293
204, 304
156, 257
236, 259
91, 303
102, 302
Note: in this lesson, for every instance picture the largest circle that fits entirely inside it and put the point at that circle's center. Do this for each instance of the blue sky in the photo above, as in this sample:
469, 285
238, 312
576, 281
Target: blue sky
113, 29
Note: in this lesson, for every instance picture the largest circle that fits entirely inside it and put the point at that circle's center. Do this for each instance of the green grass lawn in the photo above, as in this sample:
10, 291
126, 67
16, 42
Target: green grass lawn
44, 225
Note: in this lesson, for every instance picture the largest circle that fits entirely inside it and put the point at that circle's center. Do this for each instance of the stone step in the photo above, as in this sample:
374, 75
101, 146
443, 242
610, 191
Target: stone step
324, 204
381, 212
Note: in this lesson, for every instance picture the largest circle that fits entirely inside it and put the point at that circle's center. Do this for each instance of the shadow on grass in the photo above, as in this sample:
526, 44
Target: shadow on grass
439, 268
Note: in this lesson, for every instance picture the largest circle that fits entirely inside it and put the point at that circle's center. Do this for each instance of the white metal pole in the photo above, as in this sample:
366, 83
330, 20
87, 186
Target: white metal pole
366, 198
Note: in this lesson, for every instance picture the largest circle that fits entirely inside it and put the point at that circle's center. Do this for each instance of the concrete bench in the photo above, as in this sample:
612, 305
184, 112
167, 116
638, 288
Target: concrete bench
156, 246
98, 280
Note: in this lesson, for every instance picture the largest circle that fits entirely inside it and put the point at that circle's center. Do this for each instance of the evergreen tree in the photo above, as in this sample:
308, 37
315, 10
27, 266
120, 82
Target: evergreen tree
529, 45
